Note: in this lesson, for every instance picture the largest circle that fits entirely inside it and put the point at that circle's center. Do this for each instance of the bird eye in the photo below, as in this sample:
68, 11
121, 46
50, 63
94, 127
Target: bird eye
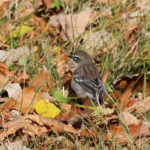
76, 59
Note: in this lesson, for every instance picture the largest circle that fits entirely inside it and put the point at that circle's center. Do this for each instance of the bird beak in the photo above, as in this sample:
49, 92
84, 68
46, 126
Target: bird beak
70, 56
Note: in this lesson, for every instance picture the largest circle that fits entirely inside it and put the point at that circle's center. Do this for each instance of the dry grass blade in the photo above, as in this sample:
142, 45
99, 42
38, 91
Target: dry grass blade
105, 76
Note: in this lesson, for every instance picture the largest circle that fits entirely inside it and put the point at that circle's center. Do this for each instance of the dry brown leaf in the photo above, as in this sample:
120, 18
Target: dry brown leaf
4, 1
134, 130
48, 3
8, 104
73, 24
139, 106
22, 78
12, 127
14, 54
56, 125
124, 98
14, 90
5, 31
59, 127
90, 132
62, 67
115, 95
129, 118
4, 100
119, 133
143, 5
71, 114
27, 100
113, 117
25, 9
6, 76
145, 129
122, 84
17, 145
68, 78
4, 5
129, 104
37, 125
43, 81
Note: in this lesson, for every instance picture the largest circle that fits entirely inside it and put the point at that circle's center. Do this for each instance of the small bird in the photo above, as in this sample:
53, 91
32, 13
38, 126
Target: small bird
86, 78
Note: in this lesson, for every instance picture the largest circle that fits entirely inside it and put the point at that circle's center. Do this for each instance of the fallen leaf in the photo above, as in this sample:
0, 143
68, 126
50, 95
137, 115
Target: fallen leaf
124, 98
25, 10
6, 76
115, 95
17, 145
20, 31
22, 78
37, 125
9, 104
73, 24
46, 109
15, 54
44, 81
13, 126
3, 99
3, 55
68, 78
48, 3
122, 84
129, 118
4, 5
119, 132
139, 106
71, 117
143, 5
90, 132
145, 129
14, 90
62, 66
27, 100
4, 1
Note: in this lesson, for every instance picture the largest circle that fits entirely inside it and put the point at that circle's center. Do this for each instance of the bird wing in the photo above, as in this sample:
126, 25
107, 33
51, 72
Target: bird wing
88, 77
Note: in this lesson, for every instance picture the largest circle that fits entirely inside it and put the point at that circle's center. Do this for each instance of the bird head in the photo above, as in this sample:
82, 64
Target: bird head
80, 57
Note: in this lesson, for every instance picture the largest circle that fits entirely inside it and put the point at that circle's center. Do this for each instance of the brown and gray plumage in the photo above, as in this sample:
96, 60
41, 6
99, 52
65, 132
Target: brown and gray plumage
86, 78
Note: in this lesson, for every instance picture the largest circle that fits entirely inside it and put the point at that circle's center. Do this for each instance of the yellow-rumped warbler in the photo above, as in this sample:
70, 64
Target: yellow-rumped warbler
86, 78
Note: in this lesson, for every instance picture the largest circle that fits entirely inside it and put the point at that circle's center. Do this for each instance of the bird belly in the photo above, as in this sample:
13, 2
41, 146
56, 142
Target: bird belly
79, 90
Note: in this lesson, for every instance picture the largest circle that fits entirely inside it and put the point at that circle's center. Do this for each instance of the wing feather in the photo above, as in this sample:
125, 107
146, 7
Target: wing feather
88, 77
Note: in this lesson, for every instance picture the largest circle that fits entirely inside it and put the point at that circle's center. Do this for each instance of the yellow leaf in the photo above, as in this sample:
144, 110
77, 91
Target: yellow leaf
46, 109
20, 31
57, 49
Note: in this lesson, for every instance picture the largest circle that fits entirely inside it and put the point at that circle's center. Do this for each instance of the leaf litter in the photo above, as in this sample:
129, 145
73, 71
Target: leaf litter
43, 108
